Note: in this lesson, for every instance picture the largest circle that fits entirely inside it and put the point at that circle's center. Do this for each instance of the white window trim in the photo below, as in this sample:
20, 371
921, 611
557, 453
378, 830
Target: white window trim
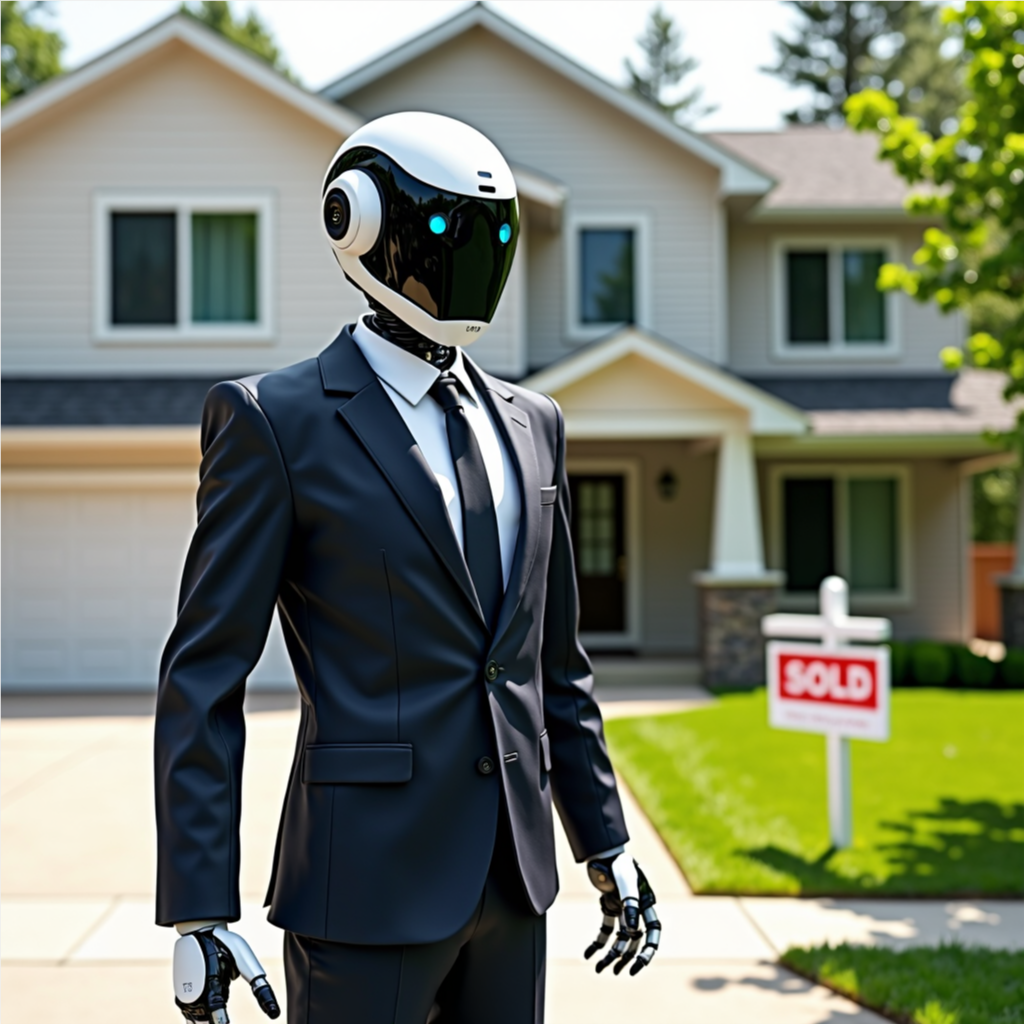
581, 220
860, 600
184, 204
629, 469
836, 347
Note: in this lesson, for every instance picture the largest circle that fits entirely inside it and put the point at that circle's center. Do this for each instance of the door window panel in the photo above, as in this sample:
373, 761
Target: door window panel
607, 285
598, 536
144, 268
863, 303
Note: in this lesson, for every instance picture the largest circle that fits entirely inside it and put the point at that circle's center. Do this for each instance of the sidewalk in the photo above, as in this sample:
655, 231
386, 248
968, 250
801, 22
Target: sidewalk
78, 869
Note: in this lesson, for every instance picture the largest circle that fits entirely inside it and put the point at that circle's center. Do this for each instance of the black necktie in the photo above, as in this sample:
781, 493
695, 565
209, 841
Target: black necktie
479, 522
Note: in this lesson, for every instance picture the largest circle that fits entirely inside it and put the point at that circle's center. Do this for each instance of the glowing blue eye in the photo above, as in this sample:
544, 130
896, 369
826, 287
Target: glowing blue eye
438, 224
504, 233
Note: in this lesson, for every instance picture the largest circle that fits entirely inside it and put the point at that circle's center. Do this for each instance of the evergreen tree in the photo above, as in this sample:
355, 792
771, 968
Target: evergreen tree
665, 67
897, 46
249, 32
31, 52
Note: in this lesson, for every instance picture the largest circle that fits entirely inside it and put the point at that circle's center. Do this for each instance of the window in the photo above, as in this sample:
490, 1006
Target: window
606, 271
173, 268
606, 276
847, 522
829, 301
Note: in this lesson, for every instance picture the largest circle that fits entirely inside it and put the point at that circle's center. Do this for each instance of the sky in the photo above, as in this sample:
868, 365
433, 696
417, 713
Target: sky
322, 40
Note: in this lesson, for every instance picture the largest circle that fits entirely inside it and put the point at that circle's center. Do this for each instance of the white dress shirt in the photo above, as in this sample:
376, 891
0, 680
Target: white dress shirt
407, 379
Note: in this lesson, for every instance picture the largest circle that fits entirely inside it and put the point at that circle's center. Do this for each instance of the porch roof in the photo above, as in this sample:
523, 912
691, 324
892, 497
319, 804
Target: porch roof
634, 384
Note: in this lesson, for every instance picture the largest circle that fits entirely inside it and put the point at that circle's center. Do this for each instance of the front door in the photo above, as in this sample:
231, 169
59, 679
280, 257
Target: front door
599, 544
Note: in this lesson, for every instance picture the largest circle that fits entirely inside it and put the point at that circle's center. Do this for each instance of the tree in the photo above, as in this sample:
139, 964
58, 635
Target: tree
249, 32
31, 52
665, 67
970, 179
842, 48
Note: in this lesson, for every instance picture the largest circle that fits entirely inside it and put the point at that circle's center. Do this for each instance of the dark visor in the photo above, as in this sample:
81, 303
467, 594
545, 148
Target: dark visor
449, 254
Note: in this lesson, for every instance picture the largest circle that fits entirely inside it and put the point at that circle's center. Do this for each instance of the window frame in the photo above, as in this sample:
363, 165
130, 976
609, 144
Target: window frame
630, 470
183, 204
900, 598
580, 221
837, 347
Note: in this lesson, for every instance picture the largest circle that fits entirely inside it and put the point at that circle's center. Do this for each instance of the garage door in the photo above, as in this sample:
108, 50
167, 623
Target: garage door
90, 582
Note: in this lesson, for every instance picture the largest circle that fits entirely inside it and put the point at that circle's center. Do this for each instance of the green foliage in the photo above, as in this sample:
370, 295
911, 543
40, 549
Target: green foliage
1011, 669
665, 67
31, 52
994, 496
971, 181
842, 48
899, 662
931, 663
249, 32
971, 670
948, 985
938, 809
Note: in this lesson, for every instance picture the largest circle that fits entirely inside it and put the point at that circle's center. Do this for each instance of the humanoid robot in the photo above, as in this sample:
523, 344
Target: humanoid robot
407, 515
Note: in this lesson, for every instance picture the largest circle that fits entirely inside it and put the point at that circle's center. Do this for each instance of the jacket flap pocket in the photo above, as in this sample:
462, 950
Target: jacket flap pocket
545, 750
334, 763
548, 495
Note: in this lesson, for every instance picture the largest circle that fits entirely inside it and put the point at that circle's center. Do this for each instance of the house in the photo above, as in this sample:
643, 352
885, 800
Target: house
745, 412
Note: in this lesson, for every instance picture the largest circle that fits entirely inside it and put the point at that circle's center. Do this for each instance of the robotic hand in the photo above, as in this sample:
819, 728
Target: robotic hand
206, 961
626, 895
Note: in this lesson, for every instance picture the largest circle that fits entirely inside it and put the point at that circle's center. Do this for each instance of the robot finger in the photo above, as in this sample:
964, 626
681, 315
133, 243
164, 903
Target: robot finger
613, 954
652, 941
634, 945
607, 927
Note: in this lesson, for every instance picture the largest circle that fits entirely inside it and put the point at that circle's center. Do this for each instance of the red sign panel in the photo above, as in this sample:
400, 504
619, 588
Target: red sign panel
844, 690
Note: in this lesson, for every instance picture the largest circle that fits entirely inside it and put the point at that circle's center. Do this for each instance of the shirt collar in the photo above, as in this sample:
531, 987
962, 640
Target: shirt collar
405, 373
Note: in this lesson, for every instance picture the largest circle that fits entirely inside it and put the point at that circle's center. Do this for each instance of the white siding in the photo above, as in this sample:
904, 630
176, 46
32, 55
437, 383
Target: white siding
754, 297
610, 163
178, 123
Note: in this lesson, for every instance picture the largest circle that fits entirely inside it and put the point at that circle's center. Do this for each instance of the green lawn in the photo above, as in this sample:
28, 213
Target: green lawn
949, 985
939, 809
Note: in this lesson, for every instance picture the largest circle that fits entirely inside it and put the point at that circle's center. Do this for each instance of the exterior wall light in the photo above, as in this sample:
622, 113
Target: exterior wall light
668, 484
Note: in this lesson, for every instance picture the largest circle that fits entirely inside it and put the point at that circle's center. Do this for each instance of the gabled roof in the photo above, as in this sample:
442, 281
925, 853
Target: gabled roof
684, 382
183, 29
820, 170
738, 176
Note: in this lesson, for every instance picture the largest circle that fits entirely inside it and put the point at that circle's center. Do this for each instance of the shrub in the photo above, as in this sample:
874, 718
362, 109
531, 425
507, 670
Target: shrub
931, 663
899, 658
1011, 669
971, 669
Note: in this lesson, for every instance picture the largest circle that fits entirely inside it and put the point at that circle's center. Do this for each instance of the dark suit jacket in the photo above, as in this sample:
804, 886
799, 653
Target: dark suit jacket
314, 498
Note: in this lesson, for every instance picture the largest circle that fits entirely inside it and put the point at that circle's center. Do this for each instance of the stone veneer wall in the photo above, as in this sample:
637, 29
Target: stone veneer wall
732, 645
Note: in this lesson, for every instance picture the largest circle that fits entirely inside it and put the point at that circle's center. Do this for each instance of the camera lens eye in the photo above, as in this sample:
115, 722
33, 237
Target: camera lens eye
504, 233
337, 214
438, 224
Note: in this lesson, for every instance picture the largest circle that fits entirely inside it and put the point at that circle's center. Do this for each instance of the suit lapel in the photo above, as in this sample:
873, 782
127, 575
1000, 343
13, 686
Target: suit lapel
514, 425
373, 418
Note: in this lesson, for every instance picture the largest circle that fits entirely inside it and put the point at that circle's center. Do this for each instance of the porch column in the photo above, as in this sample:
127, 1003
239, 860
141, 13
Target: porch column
737, 590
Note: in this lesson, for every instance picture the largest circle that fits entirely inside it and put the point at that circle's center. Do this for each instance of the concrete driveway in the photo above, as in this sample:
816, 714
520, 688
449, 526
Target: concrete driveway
77, 882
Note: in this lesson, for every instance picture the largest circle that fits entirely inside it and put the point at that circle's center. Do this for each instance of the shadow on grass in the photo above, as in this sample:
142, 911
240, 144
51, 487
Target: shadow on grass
969, 848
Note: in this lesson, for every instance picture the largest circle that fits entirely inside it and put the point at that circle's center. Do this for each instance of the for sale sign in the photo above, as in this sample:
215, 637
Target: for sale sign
841, 690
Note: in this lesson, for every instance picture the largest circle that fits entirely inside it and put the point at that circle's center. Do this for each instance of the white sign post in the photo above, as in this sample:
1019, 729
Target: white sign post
830, 687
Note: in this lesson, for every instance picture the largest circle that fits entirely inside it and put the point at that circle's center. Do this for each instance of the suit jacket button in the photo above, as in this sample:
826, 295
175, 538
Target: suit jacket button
491, 671
485, 766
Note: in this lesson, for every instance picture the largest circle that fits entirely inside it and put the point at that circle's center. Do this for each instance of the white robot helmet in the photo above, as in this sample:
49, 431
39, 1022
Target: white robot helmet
422, 215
